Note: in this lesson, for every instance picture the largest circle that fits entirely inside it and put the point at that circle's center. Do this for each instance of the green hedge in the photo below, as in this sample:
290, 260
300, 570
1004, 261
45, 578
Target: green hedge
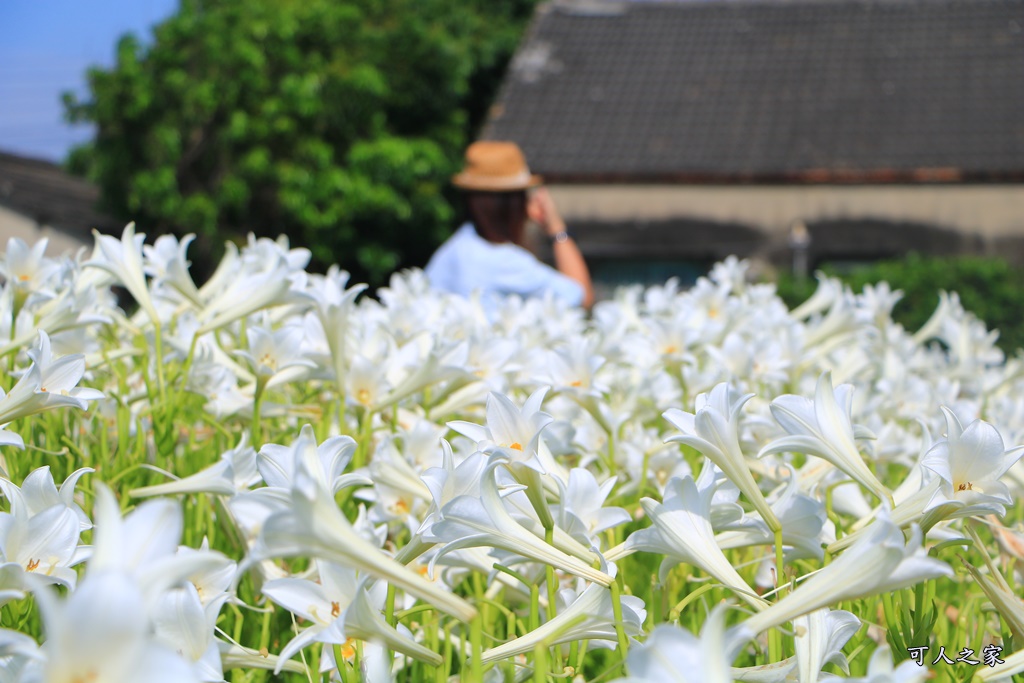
988, 287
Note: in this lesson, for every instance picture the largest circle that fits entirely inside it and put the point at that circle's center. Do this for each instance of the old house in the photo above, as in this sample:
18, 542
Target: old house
39, 199
675, 133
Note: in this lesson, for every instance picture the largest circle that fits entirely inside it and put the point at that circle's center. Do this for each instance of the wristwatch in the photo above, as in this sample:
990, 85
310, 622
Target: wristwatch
560, 236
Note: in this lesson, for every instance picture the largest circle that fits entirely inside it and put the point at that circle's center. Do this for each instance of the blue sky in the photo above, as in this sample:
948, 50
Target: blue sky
45, 48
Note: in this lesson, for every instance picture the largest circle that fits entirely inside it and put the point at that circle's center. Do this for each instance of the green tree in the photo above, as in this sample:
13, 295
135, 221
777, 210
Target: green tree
335, 122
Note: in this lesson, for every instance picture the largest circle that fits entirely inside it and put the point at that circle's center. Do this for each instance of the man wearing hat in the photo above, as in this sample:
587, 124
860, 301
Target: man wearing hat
487, 252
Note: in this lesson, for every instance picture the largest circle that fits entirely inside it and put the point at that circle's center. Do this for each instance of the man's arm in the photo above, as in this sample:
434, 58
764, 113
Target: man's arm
568, 259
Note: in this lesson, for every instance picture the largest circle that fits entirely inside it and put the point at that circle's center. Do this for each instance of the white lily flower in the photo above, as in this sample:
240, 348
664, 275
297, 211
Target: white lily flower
881, 670
276, 356
48, 384
16, 651
235, 472
835, 327
514, 435
247, 293
949, 305
879, 562
339, 610
970, 463
510, 433
71, 310
449, 481
805, 526
321, 603
100, 633
469, 521
259, 251
572, 369
233, 656
714, 431
144, 544
213, 577
313, 525
819, 640
183, 623
38, 492
674, 655
44, 544
334, 304
26, 268
1005, 599
820, 637
165, 262
681, 530
581, 511
122, 259
279, 465
591, 610
823, 428
40, 534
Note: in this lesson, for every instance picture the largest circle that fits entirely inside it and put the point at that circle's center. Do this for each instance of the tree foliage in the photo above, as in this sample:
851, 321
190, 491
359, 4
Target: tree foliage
335, 122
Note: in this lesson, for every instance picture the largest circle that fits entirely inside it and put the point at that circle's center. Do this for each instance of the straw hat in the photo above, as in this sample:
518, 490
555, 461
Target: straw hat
493, 166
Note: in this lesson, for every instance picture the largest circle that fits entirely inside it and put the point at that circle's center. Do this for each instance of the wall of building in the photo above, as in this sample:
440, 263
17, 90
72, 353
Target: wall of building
14, 224
757, 219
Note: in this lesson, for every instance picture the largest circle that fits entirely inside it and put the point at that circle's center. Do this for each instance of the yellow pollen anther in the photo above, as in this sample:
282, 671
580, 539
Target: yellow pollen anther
966, 487
670, 349
577, 383
33, 565
335, 609
516, 446
363, 396
24, 278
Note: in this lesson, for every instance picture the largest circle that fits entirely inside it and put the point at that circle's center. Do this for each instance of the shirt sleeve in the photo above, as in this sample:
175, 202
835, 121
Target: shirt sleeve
439, 271
564, 287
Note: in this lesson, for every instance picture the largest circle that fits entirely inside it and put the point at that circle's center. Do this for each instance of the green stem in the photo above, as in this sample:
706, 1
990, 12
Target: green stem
676, 611
540, 663
389, 606
447, 653
641, 488
534, 594
476, 639
582, 644
257, 408
552, 583
620, 631
774, 646
158, 338
365, 434
778, 559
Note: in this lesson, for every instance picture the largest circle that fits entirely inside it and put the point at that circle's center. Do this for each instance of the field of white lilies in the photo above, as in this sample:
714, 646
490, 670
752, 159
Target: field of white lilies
271, 477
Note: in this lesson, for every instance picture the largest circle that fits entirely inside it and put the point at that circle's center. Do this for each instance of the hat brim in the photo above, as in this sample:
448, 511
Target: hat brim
471, 181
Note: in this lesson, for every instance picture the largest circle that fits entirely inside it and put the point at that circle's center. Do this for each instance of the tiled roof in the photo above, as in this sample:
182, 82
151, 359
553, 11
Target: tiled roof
786, 89
51, 196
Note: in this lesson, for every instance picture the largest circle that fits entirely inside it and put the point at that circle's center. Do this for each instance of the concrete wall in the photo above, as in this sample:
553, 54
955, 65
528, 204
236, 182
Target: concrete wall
14, 224
757, 218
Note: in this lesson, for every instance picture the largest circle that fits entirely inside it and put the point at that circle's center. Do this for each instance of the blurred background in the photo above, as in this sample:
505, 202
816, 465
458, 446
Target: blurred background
868, 138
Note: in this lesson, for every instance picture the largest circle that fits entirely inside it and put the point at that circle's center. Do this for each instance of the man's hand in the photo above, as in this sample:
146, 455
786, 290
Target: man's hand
542, 210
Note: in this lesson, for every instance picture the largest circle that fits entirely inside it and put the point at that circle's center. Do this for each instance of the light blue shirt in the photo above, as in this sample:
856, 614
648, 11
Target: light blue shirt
468, 262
